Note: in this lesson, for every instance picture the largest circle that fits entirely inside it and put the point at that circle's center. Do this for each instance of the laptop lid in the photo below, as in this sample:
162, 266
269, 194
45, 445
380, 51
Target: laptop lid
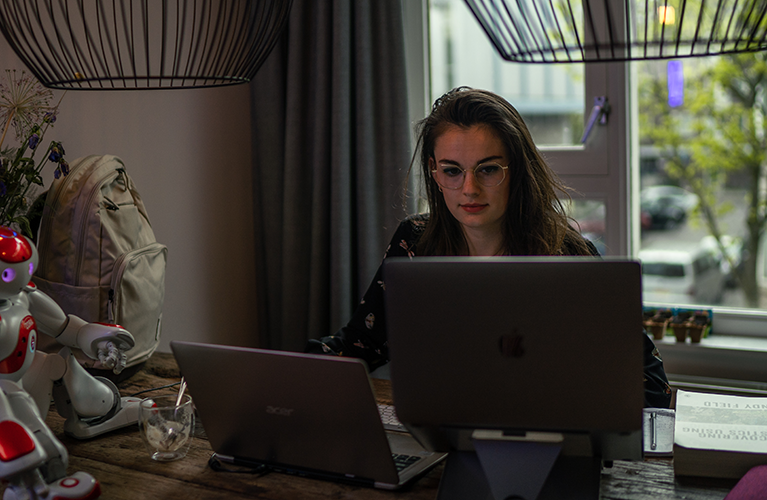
518, 344
302, 413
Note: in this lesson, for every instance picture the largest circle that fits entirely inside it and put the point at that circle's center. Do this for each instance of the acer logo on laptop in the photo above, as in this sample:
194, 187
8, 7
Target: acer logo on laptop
511, 346
276, 410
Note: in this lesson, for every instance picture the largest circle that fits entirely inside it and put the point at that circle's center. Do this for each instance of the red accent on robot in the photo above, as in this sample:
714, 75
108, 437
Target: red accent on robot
15, 360
16, 441
69, 482
72, 483
107, 324
13, 248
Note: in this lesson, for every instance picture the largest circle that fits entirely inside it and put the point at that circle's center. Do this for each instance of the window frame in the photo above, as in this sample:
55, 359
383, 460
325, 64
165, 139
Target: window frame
597, 170
606, 168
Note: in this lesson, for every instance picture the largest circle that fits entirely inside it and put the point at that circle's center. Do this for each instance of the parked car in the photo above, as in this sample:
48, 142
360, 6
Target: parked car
682, 277
664, 207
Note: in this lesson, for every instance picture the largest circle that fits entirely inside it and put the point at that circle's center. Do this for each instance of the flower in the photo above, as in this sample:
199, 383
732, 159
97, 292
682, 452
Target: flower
57, 151
23, 102
25, 105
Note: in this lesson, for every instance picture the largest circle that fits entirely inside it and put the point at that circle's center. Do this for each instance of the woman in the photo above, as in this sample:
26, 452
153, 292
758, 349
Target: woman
490, 192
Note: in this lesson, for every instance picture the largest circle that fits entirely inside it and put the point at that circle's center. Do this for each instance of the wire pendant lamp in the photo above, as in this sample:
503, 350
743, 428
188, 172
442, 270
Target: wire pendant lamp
546, 31
142, 44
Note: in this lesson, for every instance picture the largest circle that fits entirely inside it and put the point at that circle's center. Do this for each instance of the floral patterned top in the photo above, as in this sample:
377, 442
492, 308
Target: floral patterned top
364, 336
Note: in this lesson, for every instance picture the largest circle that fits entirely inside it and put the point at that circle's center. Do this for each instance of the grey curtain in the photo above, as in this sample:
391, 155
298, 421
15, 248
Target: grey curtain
331, 147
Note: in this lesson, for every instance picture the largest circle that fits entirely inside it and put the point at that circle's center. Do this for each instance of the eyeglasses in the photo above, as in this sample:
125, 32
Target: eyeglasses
452, 176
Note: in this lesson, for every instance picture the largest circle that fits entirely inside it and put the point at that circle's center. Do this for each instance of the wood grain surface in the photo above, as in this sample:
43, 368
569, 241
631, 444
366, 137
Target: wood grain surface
123, 467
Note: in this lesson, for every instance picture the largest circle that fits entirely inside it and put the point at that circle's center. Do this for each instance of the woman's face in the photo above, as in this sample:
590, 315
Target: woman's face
476, 207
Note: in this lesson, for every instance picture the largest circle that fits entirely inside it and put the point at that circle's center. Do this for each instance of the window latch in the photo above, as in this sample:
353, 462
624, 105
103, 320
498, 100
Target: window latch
599, 112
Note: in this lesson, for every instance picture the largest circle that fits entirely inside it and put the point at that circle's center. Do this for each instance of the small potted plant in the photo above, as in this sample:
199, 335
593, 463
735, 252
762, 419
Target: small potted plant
698, 325
656, 322
679, 323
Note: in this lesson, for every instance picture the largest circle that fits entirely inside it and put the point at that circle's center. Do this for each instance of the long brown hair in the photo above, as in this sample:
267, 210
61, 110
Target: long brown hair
535, 222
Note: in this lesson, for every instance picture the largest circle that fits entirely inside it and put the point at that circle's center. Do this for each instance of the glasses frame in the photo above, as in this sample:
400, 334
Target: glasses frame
473, 171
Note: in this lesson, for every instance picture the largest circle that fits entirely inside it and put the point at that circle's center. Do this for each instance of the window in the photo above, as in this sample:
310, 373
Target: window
555, 101
699, 128
636, 193
551, 97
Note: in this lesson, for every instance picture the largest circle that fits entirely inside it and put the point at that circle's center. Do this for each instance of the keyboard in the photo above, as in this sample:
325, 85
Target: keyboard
392, 423
403, 461
389, 418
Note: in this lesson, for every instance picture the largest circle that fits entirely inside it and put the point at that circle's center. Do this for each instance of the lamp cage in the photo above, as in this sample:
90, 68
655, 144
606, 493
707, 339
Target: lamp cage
142, 44
564, 31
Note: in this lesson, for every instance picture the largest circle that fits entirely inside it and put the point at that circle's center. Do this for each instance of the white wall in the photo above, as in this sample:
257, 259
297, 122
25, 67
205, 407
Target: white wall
188, 151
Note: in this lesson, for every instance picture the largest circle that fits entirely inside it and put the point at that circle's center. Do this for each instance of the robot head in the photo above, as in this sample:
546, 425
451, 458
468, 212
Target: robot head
18, 260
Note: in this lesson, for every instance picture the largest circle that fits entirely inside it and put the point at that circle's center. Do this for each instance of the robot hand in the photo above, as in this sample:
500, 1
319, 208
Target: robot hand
107, 343
112, 356
101, 341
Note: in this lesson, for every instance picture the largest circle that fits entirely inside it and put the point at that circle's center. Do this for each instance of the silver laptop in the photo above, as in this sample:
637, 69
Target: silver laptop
297, 413
517, 344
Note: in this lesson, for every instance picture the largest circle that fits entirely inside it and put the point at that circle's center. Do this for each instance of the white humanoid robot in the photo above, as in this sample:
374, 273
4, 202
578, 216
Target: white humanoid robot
33, 461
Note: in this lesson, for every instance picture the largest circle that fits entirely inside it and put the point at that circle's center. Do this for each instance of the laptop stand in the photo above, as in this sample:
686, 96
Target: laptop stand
502, 469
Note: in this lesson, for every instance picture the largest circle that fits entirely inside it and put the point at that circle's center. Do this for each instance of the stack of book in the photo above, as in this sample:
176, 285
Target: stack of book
718, 435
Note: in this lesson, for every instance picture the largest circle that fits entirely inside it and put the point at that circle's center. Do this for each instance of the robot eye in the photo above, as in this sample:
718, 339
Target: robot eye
8, 275
31, 269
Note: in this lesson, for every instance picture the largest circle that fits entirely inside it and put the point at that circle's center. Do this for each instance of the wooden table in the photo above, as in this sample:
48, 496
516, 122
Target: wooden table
123, 467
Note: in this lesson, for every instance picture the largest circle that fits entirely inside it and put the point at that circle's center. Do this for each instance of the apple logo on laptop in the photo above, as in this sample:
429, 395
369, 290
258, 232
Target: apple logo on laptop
510, 344
282, 412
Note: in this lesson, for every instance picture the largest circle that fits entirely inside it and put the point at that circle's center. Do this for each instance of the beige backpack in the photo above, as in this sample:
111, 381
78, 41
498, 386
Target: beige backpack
99, 259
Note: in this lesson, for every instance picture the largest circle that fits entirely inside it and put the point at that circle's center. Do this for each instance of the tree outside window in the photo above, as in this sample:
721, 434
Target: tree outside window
710, 140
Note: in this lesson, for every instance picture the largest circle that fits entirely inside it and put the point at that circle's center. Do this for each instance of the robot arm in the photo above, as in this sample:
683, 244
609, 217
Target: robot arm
49, 316
101, 341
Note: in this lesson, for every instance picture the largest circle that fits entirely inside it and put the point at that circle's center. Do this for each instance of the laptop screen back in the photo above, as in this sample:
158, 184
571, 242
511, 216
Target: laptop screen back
297, 411
517, 344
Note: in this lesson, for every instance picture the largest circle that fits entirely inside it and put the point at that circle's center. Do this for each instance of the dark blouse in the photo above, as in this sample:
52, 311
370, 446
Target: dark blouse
364, 336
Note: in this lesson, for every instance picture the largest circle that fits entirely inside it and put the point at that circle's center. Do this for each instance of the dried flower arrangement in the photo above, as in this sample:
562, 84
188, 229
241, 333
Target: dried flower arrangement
25, 105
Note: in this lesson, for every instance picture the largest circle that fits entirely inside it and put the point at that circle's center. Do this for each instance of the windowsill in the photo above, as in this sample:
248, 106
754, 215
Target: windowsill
729, 320
733, 358
719, 342
719, 363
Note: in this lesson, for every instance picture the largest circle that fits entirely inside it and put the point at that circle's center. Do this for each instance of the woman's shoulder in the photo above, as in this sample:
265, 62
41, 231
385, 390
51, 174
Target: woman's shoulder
415, 223
412, 226
407, 235
577, 244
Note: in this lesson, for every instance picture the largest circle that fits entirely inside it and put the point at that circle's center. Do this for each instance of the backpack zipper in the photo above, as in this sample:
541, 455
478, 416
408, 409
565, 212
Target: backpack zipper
110, 205
117, 273
46, 229
110, 307
84, 222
